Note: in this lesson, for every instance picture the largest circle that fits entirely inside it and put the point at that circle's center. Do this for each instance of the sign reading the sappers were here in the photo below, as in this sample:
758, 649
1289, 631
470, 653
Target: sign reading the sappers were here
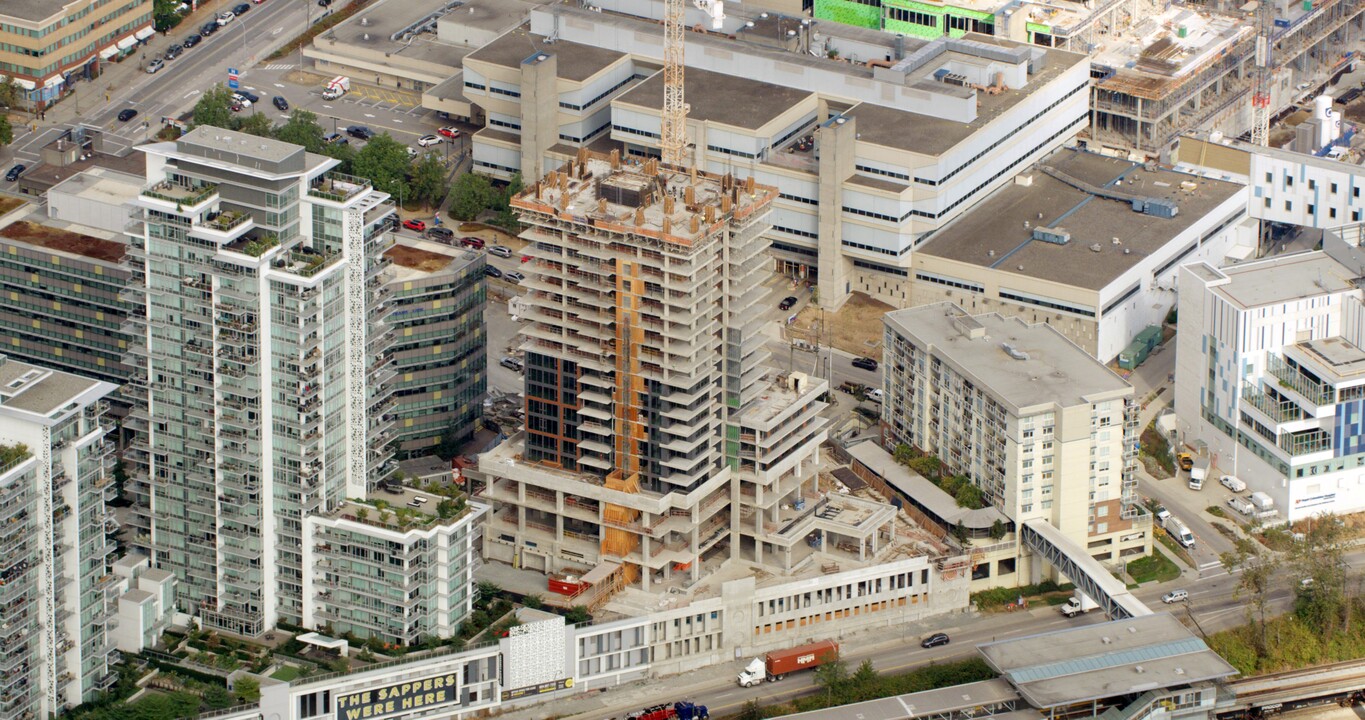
422, 694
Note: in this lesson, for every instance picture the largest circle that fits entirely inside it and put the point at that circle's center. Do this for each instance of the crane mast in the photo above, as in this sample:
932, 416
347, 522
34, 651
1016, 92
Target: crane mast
1261, 89
673, 121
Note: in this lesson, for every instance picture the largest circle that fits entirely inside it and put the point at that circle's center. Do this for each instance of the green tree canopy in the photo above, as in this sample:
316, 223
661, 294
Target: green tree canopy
6, 131
302, 128
344, 153
385, 162
247, 688
214, 108
254, 124
429, 180
470, 195
11, 95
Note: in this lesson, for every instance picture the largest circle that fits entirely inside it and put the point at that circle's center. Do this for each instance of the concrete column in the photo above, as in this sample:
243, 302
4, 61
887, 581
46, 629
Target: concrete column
539, 112
836, 140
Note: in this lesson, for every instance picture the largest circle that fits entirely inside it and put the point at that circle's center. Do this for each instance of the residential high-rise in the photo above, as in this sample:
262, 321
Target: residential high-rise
439, 293
655, 437
1044, 430
55, 579
267, 360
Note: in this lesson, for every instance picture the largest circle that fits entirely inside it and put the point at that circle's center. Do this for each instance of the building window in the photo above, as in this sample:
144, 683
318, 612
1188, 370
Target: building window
1288, 180
1332, 213
1332, 188
1312, 184
1312, 208
1289, 206
1267, 202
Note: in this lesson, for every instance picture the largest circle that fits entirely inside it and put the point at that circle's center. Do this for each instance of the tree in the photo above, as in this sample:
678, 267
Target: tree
217, 697
214, 108
429, 180
344, 153
903, 454
998, 529
533, 601
302, 128
247, 688
864, 676
11, 95
969, 495
255, 124
1320, 576
450, 442
960, 532
164, 14
832, 675
6, 131
384, 161
577, 614
751, 711
471, 194
1258, 573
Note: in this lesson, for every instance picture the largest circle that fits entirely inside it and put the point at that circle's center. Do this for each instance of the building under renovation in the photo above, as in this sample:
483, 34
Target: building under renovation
1159, 69
656, 437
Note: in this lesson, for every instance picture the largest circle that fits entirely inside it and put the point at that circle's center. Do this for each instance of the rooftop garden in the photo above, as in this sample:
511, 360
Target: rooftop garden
338, 187
227, 220
180, 194
13, 453
255, 246
382, 514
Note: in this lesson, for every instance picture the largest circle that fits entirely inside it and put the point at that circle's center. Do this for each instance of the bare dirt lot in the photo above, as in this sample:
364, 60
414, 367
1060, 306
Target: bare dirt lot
856, 328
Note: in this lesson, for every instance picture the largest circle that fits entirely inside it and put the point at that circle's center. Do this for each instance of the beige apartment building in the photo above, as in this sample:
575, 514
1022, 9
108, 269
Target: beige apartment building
44, 44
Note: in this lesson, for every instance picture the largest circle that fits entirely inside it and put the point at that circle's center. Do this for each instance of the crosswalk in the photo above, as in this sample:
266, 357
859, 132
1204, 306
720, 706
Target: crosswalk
279, 66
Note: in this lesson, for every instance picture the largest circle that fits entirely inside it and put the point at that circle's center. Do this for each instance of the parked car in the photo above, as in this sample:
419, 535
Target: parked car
787, 303
15, 172
510, 363
250, 98
235, 106
209, 28
865, 363
441, 234
1175, 596
241, 100
126, 114
514, 276
429, 140
193, 40
449, 132
491, 271
225, 17
324, 3
501, 251
241, 9
417, 225
336, 139
359, 132
1233, 483
472, 242
174, 51
875, 395
525, 259
155, 65
280, 103
935, 640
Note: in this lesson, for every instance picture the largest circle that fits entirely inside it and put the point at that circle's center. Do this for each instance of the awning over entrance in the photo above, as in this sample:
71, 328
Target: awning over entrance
109, 52
25, 83
144, 33
127, 42
54, 81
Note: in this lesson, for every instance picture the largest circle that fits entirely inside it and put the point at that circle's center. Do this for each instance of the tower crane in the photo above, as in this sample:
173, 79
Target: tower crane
673, 125
1265, 71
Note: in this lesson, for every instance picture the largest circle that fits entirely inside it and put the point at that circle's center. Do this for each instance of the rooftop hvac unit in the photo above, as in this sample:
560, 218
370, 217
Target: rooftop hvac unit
1056, 236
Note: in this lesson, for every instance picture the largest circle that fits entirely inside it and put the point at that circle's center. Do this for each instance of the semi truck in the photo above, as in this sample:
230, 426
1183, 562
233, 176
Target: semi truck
1079, 604
682, 710
776, 664
1179, 532
336, 87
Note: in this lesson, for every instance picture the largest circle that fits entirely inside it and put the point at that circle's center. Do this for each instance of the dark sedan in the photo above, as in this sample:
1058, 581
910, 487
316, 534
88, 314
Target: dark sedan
787, 303
14, 173
865, 363
280, 103
193, 40
934, 640
126, 114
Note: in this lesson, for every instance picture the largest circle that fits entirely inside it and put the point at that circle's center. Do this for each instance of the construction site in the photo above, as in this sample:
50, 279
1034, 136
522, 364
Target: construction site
1163, 71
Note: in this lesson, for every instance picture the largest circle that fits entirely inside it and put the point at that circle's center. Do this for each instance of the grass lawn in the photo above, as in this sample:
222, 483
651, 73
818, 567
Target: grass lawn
1171, 545
1155, 567
286, 673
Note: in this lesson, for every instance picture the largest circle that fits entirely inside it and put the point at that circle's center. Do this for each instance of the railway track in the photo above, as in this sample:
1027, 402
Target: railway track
1340, 683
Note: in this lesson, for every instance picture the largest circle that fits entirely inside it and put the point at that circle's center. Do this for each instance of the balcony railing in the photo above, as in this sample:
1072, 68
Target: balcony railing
180, 194
338, 187
1306, 442
1277, 410
1289, 376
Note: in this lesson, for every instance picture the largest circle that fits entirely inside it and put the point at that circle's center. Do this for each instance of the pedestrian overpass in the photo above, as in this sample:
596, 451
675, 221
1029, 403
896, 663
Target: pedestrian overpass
1089, 576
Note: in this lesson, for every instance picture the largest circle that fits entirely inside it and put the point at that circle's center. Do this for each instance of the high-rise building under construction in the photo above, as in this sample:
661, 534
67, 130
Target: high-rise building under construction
656, 438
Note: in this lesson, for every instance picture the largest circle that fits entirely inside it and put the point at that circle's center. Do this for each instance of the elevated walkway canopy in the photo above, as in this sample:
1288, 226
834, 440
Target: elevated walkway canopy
1086, 572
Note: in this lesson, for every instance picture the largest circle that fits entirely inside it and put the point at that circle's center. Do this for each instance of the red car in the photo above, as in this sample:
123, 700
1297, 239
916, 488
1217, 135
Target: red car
449, 132
526, 258
416, 225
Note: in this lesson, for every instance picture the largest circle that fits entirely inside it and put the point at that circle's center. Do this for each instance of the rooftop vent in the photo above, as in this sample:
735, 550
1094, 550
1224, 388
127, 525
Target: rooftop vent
1096, 247
1056, 236
1013, 351
1139, 669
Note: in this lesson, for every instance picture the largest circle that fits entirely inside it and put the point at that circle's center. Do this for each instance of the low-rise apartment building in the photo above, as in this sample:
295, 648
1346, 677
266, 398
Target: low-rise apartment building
43, 43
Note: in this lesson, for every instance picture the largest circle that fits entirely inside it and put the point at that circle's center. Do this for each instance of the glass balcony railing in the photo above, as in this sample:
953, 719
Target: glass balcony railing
1305, 443
1290, 377
1276, 409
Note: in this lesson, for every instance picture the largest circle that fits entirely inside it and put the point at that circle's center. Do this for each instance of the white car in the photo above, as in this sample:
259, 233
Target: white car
429, 140
244, 102
875, 395
226, 17
501, 251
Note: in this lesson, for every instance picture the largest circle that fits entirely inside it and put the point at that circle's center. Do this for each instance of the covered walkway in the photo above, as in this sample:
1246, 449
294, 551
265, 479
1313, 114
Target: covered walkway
1086, 572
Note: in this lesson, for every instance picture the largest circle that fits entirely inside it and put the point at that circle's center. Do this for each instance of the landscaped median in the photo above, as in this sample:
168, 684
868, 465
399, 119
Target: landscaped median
326, 23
